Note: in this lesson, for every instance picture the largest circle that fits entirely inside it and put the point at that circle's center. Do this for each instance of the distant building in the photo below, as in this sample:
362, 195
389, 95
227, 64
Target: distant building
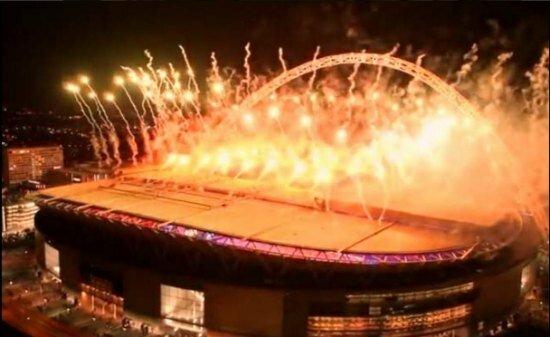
31, 163
18, 217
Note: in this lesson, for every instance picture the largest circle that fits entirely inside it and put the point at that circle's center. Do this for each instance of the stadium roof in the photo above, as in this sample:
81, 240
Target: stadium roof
264, 220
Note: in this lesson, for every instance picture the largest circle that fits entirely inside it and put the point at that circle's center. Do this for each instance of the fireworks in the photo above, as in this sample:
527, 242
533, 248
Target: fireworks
366, 138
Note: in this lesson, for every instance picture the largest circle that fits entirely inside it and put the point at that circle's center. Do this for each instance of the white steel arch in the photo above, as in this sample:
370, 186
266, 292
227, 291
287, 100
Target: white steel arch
385, 60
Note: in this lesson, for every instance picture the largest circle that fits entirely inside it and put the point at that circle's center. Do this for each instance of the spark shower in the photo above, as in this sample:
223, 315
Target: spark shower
356, 128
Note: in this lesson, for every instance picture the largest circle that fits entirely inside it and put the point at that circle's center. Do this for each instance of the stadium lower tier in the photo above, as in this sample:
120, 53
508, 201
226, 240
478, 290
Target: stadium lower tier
119, 269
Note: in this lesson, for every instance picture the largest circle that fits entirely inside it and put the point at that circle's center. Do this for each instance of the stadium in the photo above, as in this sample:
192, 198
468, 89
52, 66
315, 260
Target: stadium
298, 211
243, 263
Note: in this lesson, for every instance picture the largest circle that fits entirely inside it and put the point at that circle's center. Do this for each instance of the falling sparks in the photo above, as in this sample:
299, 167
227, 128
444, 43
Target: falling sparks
217, 88
274, 112
340, 137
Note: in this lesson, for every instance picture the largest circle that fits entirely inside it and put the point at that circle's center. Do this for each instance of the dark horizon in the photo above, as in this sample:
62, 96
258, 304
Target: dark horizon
47, 43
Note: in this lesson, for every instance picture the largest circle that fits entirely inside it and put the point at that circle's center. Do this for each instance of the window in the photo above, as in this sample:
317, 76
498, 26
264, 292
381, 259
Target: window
182, 304
52, 259
375, 311
411, 296
412, 322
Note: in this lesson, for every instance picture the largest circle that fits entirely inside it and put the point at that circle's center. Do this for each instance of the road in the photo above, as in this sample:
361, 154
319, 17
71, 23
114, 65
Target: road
42, 326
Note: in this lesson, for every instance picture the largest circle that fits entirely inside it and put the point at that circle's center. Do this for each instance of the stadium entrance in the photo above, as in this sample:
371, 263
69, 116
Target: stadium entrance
184, 305
98, 298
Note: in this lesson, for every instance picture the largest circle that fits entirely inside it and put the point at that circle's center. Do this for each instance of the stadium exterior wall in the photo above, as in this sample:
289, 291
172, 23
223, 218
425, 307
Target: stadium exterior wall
275, 310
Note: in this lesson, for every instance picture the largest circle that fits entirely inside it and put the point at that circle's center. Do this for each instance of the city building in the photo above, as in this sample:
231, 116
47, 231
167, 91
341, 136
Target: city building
237, 264
18, 217
31, 163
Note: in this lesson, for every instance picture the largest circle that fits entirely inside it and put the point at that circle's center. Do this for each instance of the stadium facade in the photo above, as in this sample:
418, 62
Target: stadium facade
259, 267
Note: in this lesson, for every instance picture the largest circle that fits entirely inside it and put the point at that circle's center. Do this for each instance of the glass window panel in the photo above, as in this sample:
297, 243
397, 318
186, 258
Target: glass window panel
182, 304
52, 259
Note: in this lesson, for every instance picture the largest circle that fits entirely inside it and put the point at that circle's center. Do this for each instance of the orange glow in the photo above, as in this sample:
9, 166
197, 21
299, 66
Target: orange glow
84, 79
146, 80
183, 160
305, 121
109, 97
162, 73
70, 87
248, 119
274, 112
341, 136
169, 95
323, 175
426, 152
133, 77
118, 80
217, 88
188, 96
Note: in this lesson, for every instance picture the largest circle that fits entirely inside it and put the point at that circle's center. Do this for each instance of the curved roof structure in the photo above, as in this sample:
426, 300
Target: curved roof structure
267, 224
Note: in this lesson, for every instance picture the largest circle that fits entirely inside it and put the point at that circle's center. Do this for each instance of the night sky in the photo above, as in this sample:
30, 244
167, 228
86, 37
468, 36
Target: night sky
44, 44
